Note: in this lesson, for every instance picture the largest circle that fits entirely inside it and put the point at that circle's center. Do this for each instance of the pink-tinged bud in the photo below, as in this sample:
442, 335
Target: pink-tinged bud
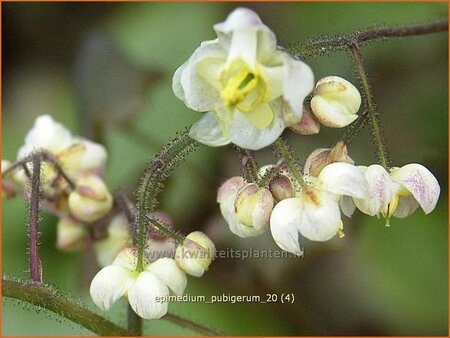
90, 200
281, 187
70, 235
322, 157
229, 188
253, 206
195, 254
308, 125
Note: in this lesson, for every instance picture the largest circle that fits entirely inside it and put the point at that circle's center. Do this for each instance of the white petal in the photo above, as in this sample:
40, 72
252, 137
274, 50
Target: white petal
347, 206
143, 294
284, 222
330, 114
298, 83
382, 189
421, 183
208, 131
227, 209
109, 284
176, 82
245, 134
321, 218
167, 271
344, 179
94, 157
46, 134
200, 93
406, 206
245, 20
273, 76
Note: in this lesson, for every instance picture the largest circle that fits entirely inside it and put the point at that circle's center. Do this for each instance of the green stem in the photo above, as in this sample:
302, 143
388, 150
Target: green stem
151, 174
166, 231
45, 297
375, 123
284, 151
134, 322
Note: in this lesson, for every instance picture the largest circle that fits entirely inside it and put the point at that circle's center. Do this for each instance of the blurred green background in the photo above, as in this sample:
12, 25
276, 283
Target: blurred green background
111, 64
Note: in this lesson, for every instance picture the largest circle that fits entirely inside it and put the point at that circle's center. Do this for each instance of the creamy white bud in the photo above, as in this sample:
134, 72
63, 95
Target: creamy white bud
336, 102
195, 254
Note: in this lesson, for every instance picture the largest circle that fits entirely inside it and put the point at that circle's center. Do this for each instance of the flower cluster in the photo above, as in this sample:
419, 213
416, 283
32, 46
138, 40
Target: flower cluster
311, 205
146, 289
79, 205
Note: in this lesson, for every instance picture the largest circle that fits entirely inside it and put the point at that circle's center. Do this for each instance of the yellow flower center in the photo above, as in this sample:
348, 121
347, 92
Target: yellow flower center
245, 89
392, 206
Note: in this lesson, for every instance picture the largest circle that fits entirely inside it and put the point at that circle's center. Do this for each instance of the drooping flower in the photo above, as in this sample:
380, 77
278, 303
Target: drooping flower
196, 253
142, 288
250, 89
399, 192
335, 102
245, 206
314, 211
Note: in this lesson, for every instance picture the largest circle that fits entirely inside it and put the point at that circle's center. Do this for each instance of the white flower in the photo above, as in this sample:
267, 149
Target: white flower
399, 192
336, 102
254, 215
314, 211
77, 156
195, 254
142, 288
250, 89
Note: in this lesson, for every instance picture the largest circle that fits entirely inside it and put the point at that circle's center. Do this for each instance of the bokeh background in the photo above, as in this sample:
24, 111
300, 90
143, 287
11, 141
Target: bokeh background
105, 69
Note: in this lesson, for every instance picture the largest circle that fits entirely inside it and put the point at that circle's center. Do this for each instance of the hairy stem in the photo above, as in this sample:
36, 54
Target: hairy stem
325, 45
35, 262
248, 164
353, 129
375, 123
284, 151
166, 231
45, 297
142, 209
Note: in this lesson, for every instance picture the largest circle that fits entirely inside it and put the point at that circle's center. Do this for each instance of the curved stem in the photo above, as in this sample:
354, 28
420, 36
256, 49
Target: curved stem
325, 45
43, 296
142, 208
377, 129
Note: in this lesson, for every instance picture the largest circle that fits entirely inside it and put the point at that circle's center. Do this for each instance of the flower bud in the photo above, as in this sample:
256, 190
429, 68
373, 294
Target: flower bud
308, 125
195, 254
253, 206
321, 157
70, 235
281, 187
336, 102
90, 200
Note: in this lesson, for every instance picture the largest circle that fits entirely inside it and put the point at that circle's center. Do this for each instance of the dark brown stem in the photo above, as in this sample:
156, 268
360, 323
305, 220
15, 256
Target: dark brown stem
341, 42
189, 325
35, 263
